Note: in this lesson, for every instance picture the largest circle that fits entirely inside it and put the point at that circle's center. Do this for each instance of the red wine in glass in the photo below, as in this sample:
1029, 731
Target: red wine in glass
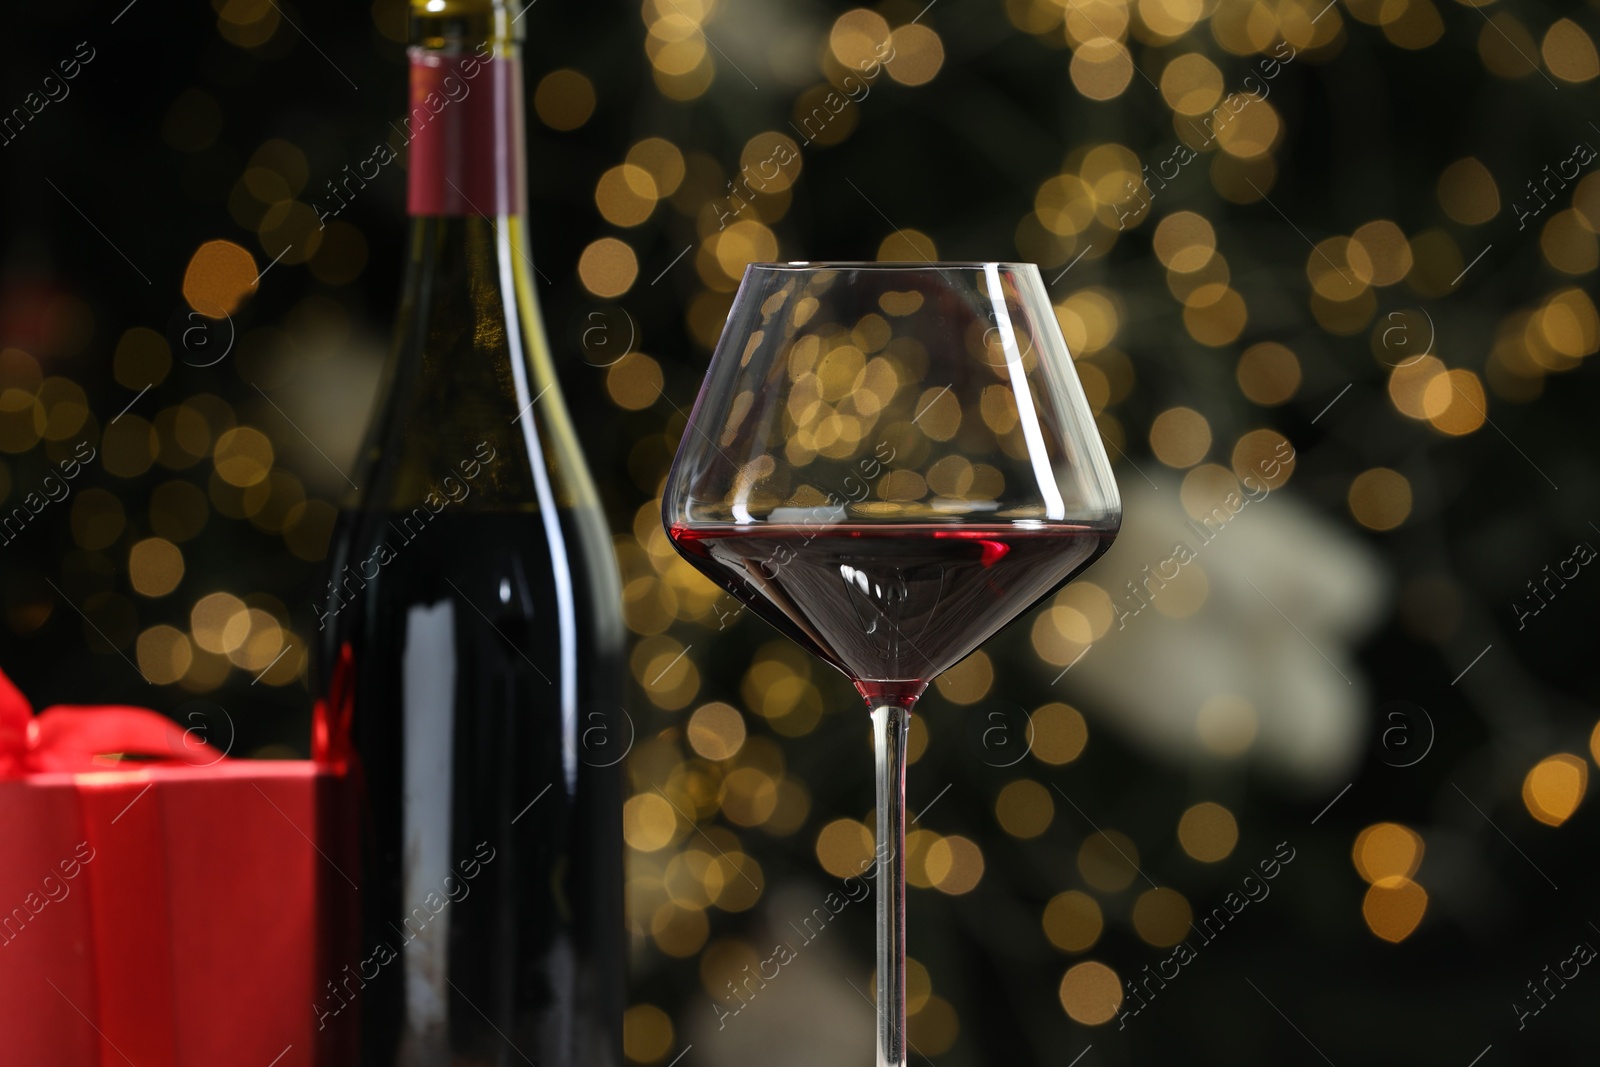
892, 606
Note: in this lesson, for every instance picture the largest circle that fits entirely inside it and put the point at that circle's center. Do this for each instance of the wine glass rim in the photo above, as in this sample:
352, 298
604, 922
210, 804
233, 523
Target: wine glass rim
889, 265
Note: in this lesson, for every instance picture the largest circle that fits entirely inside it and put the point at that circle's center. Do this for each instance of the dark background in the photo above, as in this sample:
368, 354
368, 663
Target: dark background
109, 192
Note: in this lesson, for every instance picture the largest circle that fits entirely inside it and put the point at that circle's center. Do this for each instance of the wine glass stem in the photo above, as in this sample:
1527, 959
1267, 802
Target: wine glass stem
889, 729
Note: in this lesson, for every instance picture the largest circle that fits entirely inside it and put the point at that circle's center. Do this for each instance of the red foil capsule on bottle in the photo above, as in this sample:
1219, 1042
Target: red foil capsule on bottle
466, 135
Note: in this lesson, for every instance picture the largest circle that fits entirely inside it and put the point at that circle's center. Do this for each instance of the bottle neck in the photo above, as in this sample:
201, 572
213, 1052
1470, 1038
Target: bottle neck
465, 130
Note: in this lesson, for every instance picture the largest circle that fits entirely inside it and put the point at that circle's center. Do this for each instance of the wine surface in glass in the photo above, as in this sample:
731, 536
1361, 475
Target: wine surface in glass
891, 602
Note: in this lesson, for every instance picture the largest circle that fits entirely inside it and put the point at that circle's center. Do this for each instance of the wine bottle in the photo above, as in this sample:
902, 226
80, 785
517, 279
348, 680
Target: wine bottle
469, 633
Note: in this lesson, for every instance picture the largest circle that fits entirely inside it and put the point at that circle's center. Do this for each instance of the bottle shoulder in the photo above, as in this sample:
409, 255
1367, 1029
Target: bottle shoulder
470, 377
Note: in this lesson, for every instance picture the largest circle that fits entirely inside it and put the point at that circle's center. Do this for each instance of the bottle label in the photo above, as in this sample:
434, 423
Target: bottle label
465, 126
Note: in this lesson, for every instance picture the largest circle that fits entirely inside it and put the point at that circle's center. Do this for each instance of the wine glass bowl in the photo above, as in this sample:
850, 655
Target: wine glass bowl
924, 411
889, 462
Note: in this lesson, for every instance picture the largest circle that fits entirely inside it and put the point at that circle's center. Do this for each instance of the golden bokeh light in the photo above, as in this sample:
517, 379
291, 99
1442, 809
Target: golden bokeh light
1554, 788
1505, 45
564, 99
1108, 860
918, 53
1191, 84
247, 24
1208, 832
219, 276
820, 117
1059, 734
1408, 385
674, 53
1568, 326
954, 865
1468, 193
679, 931
1080, 615
634, 382
670, 678
626, 195
770, 163
1064, 205
1101, 68
1568, 243
1387, 850
242, 456
660, 159
934, 1027
843, 845
723, 961
716, 731
1586, 199
859, 37
1393, 907
219, 622
742, 243
1382, 248
649, 822
1180, 437
290, 233
907, 246
1338, 268
1184, 242
1024, 809
1243, 181
749, 796
1569, 52
164, 654
1108, 169
1089, 320
22, 420
1169, 19
680, 61
155, 567
1202, 287
1215, 315
968, 681
1268, 373
1253, 131
1095, 20
1380, 498
260, 639
608, 267
1259, 459
1205, 489
1091, 993
66, 408
1072, 921
919, 846
1161, 916
1455, 402
1414, 26
646, 1033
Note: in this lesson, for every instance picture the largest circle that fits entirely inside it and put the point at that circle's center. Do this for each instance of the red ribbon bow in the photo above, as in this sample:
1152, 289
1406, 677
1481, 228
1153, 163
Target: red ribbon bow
79, 739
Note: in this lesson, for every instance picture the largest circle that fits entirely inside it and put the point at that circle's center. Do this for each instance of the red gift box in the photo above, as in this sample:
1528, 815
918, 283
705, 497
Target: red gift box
172, 914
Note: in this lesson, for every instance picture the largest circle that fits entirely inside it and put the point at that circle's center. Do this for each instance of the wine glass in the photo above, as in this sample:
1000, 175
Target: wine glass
889, 462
